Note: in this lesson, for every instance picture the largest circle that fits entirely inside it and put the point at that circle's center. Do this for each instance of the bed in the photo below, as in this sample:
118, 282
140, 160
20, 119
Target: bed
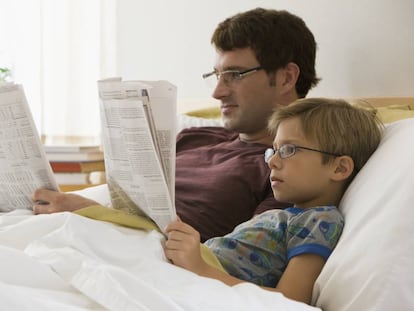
66, 261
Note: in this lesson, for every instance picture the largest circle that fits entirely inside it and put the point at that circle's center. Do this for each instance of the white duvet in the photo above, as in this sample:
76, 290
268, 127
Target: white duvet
69, 262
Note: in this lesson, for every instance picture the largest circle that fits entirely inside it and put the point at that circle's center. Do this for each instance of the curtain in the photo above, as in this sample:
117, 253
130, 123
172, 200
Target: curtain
58, 49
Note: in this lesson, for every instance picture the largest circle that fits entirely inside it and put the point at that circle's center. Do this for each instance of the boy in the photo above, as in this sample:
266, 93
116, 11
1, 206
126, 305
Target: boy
320, 145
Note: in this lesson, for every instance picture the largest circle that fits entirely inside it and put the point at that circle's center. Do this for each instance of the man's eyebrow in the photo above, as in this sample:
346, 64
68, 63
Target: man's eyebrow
227, 68
234, 68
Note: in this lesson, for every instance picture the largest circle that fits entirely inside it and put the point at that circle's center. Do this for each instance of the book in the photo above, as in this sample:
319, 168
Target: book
71, 148
72, 152
92, 178
73, 156
138, 137
72, 178
77, 166
23, 161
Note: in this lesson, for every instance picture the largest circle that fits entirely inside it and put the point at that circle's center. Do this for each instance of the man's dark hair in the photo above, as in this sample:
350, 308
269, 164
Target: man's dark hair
276, 37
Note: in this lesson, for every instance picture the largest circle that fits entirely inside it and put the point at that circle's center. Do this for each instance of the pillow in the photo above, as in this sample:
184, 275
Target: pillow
372, 266
206, 113
186, 121
386, 114
99, 194
391, 114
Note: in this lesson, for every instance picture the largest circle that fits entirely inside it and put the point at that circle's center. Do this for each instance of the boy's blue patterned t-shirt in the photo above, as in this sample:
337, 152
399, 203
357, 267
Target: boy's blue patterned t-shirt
259, 250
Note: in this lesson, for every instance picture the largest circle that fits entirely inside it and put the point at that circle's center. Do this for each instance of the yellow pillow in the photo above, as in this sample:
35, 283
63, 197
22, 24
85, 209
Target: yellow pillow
119, 217
386, 114
205, 113
390, 114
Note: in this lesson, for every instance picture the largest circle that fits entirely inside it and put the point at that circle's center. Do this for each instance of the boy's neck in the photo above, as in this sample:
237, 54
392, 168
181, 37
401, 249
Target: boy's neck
332, 197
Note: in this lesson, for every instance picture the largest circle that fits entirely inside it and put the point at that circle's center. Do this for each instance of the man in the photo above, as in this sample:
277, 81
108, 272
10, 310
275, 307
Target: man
265, 59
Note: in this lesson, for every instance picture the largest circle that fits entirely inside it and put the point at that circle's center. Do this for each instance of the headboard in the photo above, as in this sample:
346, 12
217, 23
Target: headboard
386, 101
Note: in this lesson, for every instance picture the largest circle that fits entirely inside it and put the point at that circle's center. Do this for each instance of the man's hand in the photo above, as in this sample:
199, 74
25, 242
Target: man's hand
48, 201
183, 247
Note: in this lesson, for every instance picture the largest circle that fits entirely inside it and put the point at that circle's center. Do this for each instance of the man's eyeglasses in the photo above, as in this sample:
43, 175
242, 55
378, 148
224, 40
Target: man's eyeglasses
288, 150
229, 76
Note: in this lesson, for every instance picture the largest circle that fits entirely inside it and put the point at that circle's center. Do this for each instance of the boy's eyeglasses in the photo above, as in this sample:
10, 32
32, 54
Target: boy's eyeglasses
288, 150
229, 76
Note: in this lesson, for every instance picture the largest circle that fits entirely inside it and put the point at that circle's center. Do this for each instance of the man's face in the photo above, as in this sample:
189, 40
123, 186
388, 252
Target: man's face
246, 104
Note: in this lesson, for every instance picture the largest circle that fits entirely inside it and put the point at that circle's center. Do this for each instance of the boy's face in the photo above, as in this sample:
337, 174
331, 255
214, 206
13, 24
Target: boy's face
301, 179
246, 104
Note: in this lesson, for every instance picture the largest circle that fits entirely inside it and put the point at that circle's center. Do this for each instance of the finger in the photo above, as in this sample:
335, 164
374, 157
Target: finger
41, 202
172, 255
173, 226
171, 245
180, 226
44, 195
41, 208
178, 246
176, 236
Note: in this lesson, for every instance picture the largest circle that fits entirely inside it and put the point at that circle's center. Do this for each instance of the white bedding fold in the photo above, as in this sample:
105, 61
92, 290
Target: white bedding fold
82, 264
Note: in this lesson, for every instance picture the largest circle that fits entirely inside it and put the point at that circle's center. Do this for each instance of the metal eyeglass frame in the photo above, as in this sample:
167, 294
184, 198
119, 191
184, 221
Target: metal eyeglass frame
289, 150
229, 76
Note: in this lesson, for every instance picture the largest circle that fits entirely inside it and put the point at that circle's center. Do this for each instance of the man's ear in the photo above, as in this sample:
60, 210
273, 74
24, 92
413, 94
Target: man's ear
343, 168
290, 76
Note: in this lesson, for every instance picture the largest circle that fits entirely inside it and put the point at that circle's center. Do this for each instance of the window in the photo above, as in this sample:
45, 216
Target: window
58, 50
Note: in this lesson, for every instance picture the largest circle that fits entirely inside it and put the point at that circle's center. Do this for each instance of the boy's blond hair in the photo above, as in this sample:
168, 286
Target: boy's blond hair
336, 126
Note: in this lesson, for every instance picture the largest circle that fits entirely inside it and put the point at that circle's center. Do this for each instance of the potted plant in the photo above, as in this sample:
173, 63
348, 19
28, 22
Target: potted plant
5, 74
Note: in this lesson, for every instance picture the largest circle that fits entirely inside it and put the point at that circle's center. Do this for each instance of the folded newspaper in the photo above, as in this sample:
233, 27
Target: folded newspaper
138, 135
23, 163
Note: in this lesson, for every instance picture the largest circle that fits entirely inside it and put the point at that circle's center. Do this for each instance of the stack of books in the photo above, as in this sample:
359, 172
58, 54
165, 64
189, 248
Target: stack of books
76, 166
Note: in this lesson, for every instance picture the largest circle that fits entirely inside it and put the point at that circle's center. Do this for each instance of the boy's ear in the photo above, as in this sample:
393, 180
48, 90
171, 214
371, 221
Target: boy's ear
343, 168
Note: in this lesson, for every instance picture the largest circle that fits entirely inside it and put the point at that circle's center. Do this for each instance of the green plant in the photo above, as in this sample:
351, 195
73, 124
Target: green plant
5, 74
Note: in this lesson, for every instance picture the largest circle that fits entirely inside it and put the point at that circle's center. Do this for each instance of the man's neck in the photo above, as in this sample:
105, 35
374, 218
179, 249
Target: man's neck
262, 137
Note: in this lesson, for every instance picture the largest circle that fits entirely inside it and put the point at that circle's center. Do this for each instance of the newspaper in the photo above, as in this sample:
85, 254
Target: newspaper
23, 163
138, 135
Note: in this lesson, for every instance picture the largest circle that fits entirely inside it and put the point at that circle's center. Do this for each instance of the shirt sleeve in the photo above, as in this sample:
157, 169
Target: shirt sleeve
314, 231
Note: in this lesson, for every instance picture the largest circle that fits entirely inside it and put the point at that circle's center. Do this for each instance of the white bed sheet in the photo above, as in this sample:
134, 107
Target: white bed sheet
69, 262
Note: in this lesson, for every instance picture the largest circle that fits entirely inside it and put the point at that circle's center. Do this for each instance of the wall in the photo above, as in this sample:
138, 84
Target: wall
365, 47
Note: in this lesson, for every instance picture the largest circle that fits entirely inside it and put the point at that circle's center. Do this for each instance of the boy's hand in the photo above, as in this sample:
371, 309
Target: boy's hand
183, 246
